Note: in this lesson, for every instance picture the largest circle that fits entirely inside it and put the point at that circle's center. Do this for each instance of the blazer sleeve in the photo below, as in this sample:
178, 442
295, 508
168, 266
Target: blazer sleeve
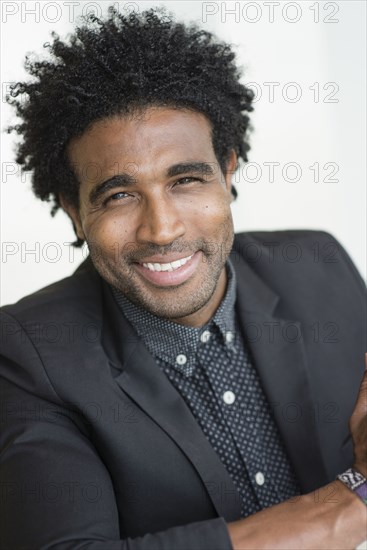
56, 492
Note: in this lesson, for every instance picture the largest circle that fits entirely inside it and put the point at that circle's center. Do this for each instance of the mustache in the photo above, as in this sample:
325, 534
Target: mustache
138, 254
131, 252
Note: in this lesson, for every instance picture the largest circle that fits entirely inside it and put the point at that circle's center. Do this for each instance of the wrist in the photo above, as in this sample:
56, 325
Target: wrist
330, 517
361, 468
339, 514
353, 514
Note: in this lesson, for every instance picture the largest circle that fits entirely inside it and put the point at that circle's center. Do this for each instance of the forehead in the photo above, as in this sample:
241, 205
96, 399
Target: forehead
156, 136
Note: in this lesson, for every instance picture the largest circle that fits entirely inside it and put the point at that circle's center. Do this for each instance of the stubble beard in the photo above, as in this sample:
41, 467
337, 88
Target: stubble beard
172, 302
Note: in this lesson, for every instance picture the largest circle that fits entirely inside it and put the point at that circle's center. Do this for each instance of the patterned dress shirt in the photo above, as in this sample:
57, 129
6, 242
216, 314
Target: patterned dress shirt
212, 370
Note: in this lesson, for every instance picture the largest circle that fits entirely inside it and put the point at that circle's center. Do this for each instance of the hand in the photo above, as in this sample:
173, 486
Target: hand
358, 427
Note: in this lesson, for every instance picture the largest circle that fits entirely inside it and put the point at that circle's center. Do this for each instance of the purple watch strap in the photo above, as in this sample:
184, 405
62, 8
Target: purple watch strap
356, 482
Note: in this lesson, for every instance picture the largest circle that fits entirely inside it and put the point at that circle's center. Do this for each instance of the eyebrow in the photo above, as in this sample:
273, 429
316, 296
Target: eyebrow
120, 180
126, 180
182, 168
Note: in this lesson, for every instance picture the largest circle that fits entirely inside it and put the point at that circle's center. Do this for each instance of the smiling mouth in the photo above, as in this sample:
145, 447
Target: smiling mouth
171, 273
171, 266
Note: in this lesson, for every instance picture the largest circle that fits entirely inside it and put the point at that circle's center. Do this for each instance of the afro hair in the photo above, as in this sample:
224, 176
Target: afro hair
116, 65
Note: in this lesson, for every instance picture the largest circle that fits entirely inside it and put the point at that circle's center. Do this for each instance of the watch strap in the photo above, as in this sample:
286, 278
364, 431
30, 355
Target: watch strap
356, 482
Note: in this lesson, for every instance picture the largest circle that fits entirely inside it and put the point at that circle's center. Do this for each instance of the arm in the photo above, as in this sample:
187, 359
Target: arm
331, 517
316, 521
57, 493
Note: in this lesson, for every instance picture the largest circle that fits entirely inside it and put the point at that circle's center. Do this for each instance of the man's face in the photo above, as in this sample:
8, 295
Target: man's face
155, 210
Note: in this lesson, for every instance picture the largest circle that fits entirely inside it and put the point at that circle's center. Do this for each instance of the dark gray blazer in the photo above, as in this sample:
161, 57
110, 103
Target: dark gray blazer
100, 452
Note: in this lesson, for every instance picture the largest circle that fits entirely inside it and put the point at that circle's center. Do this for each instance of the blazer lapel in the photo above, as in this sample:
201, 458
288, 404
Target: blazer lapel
278, 353
146, 384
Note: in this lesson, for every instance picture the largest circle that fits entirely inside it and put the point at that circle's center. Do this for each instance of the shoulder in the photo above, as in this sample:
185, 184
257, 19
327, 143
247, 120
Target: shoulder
298, 255
300, 240
309, 270
66, 297
49, 317
46, 333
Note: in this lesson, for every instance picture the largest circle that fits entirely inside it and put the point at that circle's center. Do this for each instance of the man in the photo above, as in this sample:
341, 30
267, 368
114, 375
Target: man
160, 415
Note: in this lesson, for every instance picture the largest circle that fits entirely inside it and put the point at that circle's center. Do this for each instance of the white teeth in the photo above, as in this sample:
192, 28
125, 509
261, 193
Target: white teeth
169, 266
177, 263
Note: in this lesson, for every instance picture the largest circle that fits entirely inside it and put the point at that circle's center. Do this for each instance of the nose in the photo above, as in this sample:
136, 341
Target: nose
160, 222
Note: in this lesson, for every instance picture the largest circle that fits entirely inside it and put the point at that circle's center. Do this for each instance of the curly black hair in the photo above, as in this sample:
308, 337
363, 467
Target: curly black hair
116, 65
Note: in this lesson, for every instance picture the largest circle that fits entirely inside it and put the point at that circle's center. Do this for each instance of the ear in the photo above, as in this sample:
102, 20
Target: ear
73, 212
230, 170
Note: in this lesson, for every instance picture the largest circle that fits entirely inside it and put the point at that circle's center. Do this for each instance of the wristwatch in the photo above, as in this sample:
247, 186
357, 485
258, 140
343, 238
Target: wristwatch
356, 482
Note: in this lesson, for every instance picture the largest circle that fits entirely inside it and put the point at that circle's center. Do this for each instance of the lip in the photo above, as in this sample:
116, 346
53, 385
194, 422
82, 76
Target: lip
169, 278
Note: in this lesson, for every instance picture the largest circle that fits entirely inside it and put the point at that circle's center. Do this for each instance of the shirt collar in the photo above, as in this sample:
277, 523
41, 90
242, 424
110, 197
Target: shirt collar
168, 340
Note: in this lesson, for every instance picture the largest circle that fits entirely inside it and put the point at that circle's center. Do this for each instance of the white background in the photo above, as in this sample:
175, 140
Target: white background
319, 46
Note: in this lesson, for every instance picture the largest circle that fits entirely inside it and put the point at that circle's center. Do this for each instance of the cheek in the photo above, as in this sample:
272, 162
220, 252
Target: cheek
215, 212
106, 229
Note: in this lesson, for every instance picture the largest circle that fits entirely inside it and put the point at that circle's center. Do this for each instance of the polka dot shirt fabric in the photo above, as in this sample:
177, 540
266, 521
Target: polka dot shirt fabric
212, 370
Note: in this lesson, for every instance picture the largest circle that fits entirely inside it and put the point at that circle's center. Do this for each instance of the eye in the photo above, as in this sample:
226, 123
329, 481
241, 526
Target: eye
188, 179
116, 196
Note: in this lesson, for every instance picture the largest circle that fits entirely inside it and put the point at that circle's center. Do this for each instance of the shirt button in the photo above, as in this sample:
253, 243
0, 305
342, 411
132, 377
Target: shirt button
259, 478
229, 397
229, 337
205, 336
181, 359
